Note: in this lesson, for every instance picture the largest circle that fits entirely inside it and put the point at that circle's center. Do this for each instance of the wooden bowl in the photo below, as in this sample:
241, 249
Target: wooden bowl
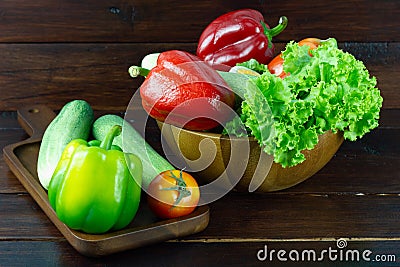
187, 143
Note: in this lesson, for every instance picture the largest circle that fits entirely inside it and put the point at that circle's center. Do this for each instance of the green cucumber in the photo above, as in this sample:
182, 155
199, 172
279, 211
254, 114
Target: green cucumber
74, 121
150, 61
132, 142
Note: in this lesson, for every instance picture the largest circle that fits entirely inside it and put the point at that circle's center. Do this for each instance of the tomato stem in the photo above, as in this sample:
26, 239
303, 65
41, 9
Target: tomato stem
180, 187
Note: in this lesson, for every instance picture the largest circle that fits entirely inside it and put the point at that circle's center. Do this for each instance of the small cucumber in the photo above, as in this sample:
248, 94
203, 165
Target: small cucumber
150, 61
74, 121
132, 142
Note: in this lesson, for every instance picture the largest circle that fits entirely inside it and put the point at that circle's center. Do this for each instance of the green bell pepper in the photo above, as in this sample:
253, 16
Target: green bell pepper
95, 186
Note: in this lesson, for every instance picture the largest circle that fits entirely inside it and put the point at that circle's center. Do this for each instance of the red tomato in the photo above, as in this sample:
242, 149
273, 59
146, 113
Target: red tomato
276, 66
173, 194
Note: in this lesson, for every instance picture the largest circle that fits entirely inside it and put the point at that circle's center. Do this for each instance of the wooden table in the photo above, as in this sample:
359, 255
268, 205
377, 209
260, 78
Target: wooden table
56, 51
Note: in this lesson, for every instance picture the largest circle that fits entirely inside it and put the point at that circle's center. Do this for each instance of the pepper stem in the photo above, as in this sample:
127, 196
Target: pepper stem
136, 71
108, 140
283, 21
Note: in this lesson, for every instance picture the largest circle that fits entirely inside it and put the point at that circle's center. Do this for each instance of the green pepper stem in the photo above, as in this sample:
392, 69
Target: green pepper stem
108, 140
136, 71
283, 21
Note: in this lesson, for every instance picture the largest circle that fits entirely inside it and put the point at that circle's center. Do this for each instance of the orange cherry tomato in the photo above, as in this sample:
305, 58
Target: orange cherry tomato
276, 64
311, 42
173, 194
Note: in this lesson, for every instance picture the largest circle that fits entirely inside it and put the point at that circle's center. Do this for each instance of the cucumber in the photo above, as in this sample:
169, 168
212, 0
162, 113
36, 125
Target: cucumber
150, 61
74, 121
132, 142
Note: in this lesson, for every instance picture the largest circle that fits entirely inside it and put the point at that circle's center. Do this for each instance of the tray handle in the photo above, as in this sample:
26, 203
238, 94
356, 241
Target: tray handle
35, 119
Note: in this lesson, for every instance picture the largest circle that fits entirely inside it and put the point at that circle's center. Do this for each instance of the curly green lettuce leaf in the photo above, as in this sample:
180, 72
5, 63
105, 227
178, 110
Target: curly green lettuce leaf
254, 65
328, 90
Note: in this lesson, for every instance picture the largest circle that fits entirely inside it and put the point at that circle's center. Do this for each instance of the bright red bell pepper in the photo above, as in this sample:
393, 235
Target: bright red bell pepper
238, 36
187, 90
276, 65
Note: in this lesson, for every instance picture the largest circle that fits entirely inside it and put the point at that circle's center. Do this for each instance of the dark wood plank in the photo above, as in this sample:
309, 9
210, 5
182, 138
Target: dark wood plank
8, 182
8, 120
298, 216
23, 218
18, 253
111, 21
244, 216
54, 74
344, 20
388, 118
360, 167
183, 21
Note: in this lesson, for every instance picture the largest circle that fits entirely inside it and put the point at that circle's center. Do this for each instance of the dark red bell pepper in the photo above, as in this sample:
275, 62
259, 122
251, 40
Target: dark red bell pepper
238, 36
187, 90
276, 65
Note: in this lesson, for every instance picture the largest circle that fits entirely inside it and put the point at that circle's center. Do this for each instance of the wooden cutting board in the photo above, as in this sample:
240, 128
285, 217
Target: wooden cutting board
145, 229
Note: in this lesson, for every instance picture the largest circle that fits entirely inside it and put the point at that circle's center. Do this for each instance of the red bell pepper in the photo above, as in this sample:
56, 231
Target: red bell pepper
238, 36
186, 90
276, 65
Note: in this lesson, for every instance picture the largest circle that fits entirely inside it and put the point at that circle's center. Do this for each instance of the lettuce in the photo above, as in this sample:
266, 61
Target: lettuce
254, 65
330, 90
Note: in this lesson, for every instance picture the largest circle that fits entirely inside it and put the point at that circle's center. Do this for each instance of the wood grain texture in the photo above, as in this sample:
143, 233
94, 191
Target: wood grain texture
266, 216
183, 21
54, 74
297, 216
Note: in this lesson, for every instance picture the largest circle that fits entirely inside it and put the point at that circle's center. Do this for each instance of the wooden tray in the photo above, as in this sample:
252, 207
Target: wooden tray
144, 230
